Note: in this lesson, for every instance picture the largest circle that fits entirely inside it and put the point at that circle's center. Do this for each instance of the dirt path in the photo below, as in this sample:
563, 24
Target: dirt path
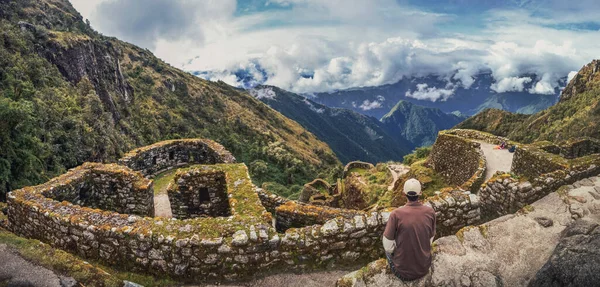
162, 205
397, 170
315, 279
16, 271
497, 160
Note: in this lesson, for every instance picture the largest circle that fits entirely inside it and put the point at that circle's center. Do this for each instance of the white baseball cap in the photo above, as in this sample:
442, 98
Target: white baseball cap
412, 185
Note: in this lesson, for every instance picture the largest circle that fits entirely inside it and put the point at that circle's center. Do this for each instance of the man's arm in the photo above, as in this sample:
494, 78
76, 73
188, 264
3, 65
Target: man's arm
389, 245
389, 235
434, 227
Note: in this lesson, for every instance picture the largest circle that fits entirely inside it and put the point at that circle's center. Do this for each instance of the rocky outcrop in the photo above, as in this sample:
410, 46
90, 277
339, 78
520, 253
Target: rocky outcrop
99, 62
576, 259
586, 79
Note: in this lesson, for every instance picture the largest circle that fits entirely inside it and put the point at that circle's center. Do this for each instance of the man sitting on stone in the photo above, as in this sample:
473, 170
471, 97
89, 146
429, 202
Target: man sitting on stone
408, 236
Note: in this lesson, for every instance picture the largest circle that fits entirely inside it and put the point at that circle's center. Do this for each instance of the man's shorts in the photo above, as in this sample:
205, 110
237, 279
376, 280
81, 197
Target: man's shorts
393, 268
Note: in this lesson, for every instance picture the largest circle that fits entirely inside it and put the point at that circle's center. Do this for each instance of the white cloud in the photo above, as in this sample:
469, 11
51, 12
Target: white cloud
424, 92
313, 108
353, 43
370, 105
86, 7
265, 93
571, 76
510, 84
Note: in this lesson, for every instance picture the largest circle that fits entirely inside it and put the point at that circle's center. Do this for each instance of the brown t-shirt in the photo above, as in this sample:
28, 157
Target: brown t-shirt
412, 227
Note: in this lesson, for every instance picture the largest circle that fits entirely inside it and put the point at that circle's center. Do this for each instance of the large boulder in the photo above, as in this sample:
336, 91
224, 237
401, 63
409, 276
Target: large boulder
576, 259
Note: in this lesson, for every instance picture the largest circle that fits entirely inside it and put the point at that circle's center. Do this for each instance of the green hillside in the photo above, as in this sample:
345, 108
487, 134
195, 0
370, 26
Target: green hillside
577, 114
69, 95
351, 135
419, 125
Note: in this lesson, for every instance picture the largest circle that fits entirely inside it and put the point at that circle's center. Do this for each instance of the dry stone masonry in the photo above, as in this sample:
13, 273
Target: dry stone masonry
108, 187
356, 164
199, 192
459, 160
159, 157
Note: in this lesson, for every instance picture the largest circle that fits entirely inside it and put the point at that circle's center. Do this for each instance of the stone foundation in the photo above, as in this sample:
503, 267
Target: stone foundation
108, 187
159, 157
199, 192
356, 164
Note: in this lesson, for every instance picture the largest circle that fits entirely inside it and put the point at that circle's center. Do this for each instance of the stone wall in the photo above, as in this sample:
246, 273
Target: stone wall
108, 187
220, 248
269, 200
156, 158
356, 164
456, 159
198, 192
532, 162
580, 147
504, 194
479, 136
315, 187
293, 214
454, 210
262, 232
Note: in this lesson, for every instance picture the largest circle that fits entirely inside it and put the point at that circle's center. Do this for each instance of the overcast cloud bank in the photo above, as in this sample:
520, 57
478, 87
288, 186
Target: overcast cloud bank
314, 46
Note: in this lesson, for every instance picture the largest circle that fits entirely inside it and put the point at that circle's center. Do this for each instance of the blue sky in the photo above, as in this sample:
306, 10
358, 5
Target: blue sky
352, 43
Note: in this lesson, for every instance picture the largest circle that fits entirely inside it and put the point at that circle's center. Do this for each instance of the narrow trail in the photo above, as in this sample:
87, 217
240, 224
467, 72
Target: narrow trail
397, 170
162, 205
497, 160
313, 279
17, 271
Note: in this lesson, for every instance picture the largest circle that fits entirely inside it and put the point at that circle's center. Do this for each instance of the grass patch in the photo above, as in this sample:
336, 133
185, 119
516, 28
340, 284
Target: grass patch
161, 181
430, 180
360, 171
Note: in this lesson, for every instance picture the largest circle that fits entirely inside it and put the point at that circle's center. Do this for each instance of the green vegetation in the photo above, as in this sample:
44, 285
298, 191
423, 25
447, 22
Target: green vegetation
377, 182
292, 192
497, 122
57, 114
161, 181
418, 154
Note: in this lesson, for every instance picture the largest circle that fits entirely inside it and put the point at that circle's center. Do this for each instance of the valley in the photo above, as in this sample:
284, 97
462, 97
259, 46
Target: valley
118, 168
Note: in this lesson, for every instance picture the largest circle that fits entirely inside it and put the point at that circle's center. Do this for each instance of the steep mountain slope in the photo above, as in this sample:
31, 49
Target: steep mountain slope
418, 125
377, 101
577, 114
69, 95
494, 121
351, 135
